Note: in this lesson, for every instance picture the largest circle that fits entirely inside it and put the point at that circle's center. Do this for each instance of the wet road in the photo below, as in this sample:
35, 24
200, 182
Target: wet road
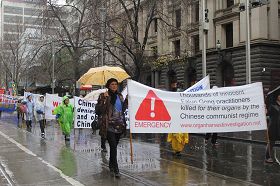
28, 160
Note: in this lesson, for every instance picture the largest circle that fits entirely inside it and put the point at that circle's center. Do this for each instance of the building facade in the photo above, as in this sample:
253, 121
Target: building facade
227, 29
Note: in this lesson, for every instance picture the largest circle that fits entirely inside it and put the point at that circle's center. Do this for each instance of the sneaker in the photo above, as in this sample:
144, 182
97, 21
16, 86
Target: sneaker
43, 135
269, 160
67, 138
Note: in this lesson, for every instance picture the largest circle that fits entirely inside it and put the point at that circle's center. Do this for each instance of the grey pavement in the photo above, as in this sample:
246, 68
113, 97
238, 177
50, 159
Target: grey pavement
26, 159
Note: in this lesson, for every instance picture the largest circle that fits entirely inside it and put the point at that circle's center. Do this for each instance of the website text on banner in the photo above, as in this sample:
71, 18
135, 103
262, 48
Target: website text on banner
84, 113
227, 109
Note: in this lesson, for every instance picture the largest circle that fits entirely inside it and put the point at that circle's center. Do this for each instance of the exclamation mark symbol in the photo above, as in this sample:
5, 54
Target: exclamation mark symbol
153, 114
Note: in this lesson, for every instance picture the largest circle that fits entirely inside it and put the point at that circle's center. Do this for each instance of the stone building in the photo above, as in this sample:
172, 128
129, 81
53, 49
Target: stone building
227, 26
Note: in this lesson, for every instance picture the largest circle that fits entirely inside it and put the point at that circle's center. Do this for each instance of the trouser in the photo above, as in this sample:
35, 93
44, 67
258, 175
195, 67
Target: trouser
103, 143
213, 139
113, 140
28, 125
42, 126
269, 149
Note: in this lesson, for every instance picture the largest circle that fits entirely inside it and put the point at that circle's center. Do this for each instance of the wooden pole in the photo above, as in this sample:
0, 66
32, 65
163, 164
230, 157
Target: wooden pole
131, 148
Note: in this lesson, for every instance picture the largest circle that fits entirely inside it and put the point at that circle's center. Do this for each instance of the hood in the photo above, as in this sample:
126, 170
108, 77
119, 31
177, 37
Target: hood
64, 98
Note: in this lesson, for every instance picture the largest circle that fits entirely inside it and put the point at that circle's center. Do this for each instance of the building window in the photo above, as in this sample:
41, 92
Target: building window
32, 11
196, 18
178, 18
12, 19
155, 25
177, 48
229, 35
13, 10
196, 44
230, 3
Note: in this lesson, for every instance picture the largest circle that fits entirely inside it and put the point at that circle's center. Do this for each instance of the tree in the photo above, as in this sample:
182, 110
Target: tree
129, 26
72, 35
17, 55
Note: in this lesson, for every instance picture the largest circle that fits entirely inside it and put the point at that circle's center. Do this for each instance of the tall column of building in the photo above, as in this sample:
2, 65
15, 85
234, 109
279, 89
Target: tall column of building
259, 24
211, 32
273, 21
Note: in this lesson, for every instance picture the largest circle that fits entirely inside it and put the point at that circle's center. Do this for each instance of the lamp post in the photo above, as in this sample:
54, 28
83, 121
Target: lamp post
53, 61
103, 17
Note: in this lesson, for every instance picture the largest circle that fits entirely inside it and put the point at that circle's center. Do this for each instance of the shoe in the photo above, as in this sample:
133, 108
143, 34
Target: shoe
269, 160
117, 173
104, 150
178, 154
205, 141
67, 138
43, 135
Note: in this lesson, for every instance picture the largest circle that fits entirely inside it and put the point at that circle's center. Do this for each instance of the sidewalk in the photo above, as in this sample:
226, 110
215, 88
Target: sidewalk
29, 160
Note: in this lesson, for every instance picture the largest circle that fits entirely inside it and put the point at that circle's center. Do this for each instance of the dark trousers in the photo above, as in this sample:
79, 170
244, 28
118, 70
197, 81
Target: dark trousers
214, 137
42, 126
103, 143
113, 140
269, 149
28, 125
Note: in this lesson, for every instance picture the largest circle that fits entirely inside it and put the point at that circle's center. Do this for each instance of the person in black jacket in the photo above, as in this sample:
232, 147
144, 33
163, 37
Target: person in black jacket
110, 109
274, 127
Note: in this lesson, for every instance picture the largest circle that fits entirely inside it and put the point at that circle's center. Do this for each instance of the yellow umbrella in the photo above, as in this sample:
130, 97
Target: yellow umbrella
100, 75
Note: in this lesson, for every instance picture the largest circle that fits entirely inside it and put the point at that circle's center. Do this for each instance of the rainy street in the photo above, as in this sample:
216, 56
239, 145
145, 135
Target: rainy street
26, 159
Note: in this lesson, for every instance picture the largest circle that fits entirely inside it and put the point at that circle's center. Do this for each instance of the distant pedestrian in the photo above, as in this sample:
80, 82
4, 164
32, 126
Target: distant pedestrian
177, 140
40, 111
30, 112
110, 109
65, 116
213, 136
274, 127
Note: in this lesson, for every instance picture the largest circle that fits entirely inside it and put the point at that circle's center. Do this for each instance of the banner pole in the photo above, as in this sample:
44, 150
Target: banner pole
131, 147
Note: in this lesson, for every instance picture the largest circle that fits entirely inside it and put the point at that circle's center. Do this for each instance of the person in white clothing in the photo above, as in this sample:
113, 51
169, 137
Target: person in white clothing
40, 111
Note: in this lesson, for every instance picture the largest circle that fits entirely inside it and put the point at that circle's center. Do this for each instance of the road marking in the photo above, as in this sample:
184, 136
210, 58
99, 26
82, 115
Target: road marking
6, 174
67, 178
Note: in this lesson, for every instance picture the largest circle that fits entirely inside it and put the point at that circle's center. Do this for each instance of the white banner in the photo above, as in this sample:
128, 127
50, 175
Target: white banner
84, 112
51, 102
203, 84
227, 109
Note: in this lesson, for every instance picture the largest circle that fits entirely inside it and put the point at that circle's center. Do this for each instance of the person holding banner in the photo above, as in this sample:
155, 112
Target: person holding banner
29, 112
177, 140
110, 109
65, 116
274, 127
40, 110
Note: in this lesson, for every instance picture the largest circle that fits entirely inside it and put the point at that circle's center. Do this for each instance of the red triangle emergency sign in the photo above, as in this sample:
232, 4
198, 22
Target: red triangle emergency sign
152, 108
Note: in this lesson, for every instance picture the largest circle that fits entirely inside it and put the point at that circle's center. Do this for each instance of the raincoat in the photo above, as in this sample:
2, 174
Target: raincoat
65, 115
178, 140
40, 109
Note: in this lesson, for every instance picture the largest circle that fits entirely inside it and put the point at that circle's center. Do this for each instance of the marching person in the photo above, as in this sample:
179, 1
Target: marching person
65, 116
110, 109
40, 110
177, 140
273, 128
29, 112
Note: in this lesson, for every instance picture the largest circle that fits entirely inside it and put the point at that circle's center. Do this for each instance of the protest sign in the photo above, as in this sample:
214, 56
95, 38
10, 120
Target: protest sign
227, 109
201, 85
84, 113
52, 101
7, 103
